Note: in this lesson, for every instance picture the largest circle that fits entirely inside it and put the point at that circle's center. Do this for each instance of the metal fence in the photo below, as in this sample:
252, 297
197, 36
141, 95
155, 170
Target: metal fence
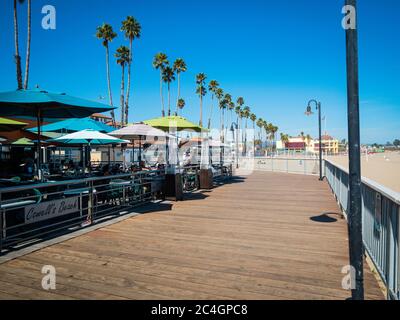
191, 175
381, 223
33, 212
299, 165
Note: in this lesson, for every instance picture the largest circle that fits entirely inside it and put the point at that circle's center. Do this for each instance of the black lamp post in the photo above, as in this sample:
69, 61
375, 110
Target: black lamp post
309, 113
233, 127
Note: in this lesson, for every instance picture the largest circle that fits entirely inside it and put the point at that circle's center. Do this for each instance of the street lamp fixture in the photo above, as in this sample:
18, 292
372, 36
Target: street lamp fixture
309, 112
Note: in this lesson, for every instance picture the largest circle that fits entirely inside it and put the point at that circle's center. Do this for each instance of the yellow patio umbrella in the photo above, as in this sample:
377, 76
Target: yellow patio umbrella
10, 125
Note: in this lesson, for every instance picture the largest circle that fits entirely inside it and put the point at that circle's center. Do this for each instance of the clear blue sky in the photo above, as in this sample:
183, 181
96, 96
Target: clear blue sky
276, 54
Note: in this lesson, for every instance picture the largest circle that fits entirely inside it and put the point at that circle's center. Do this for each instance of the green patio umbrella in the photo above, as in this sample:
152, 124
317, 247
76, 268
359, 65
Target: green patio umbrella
176, 123
23, 142
10, 125
41, 104
180, 123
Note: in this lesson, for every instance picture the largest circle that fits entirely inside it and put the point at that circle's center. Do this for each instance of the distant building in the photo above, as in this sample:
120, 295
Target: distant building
101, 118
105, 119
301, 144
329, 144
294, 144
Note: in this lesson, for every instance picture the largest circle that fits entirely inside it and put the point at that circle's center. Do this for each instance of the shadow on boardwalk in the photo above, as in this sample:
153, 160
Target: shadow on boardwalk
250, 240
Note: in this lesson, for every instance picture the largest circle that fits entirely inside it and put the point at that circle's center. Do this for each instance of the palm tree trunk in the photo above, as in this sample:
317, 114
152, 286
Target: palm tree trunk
245, 138
109, 83
128, 90
28, 47
220, 123
122, 95
254, 138
161, 95
179, 91
17, 56
201, 110
223, 125
169, 99
212, 106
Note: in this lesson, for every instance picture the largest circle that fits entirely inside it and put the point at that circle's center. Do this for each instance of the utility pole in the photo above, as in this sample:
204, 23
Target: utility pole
355, 219
321, 176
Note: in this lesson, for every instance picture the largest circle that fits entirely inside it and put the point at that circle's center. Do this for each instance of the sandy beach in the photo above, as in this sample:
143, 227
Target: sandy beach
383, 168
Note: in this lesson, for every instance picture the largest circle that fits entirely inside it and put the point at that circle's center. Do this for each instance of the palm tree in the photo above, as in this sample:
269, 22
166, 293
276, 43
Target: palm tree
168, 76
122, 56
246, 115
106, 33
228, 101
260, 125
212, 87
179, 67
284, 139
17, 56
266, 129
308, 139
181, 105
273, 130
132, 30
201, 91
28, 44
222, 106
240, 102
160, 62
231, 107
253, 119
238, 112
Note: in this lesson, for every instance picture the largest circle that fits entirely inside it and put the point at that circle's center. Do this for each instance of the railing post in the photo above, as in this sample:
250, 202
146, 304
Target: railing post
80, 204
1, 232
3, 226
397, 267
90, 202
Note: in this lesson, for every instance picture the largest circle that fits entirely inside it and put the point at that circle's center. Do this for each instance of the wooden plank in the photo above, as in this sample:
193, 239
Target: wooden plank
254, 239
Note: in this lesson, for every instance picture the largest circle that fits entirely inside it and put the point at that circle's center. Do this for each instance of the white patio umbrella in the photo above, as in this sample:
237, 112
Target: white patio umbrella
89, 137
140, 131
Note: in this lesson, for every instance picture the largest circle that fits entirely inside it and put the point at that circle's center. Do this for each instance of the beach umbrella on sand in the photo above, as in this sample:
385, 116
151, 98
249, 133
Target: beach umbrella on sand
89, 137
139, 131
41, 104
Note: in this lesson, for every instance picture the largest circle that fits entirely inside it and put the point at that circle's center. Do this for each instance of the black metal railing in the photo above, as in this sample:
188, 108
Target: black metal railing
33, 212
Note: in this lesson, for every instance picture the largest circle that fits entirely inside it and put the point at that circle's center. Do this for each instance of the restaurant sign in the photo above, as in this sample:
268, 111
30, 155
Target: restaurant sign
51, 209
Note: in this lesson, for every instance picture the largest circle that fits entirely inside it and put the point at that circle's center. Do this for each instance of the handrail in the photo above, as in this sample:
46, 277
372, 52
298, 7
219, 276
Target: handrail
385, 191
71, 181
381, 223
53, 207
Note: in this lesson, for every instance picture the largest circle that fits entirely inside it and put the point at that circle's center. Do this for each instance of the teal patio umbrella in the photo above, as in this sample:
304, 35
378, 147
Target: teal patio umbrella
74, 125
41, 104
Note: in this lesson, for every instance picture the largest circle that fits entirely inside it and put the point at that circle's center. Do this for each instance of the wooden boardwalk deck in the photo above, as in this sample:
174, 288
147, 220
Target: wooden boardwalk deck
260, 237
